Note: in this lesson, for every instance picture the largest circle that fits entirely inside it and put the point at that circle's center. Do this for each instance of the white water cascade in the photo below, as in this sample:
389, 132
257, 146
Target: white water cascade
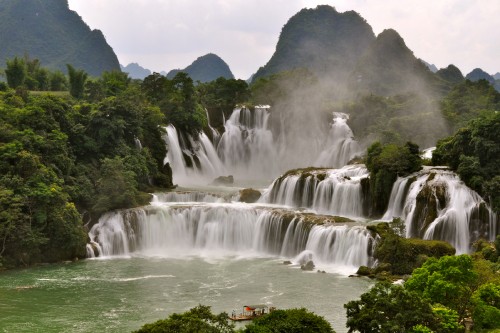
435, 204
340, 144
221, 230
192, 161
247, 147
326, 191
249, 150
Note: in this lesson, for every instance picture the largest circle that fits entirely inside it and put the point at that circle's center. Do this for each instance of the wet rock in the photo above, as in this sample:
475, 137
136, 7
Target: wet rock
364, 271
249, 195
309, 266
287, 262
223, 180
320, 271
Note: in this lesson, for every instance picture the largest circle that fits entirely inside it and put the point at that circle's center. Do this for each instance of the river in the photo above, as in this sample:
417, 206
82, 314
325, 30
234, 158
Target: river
122, 294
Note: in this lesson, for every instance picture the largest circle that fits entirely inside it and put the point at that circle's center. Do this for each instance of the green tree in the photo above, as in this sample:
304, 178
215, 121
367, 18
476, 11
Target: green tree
386, 163
198, 319
155, 87
77, 80
58, 81
289, 321
450, 281
115, 82
474, 153
181, 106
15, 72
389, 308
116, 187
487, 306
468, 100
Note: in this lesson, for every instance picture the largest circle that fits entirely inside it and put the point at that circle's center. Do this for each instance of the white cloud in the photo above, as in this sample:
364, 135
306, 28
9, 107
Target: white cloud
166, 34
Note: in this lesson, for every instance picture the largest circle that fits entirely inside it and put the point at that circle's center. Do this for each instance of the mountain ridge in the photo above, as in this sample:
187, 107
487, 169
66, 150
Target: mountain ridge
49, 31
206, 68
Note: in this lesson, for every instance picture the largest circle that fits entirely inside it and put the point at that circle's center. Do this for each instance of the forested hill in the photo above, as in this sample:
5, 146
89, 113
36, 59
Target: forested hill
389, 67
205, 69
50, 31
322, 40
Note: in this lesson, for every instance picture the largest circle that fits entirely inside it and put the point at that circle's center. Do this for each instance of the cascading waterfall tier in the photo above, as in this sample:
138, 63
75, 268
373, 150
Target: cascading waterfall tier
214, 230
340, 143
435, 204
249, 150
192, 161
247, 147
327, 191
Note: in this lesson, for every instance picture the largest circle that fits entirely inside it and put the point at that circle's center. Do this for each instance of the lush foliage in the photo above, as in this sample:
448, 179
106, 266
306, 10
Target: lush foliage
201, 319
61, 160
469, 100
198, 319
289, 321
399, 255
474, 153
77, 80
28, 73
462, 285
220, 97
389, 308
177, 100
396, 119
437, 297
386, 163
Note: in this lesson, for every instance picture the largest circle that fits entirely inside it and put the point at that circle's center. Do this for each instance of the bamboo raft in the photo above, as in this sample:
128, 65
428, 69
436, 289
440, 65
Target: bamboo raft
251, 312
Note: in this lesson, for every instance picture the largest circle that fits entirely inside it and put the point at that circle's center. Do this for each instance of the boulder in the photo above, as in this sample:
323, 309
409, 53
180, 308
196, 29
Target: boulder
287, 262
309, 266
249, 195
223, 180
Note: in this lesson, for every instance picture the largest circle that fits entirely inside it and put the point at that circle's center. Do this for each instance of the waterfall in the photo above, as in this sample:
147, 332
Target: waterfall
188, 196
327, 191
340, 143
247, 146
249, 150
435, 204
192, 161
215, 230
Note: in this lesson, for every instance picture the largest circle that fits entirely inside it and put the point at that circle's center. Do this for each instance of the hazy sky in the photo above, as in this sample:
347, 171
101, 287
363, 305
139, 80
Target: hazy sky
166, 34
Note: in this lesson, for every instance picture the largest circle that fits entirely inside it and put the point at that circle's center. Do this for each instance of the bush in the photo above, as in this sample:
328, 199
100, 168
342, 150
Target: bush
289, 321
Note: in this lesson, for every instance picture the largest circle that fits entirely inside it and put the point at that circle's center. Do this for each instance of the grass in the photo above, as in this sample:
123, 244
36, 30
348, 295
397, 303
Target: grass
55, 93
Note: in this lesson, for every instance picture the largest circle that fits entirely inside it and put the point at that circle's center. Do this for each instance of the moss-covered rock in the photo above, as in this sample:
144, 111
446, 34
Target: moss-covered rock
405, 254
249, 195
364, 271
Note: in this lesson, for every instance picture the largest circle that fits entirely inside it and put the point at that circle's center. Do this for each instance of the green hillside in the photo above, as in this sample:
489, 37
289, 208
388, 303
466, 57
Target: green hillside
389, 67
50, 31
205, 69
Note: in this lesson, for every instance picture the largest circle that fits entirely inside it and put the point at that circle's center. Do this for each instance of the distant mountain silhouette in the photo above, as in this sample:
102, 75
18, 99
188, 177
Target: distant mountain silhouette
497, 76
205, 69
321, 40
432, 67
451, 74
135, 71
50, 31
478, 74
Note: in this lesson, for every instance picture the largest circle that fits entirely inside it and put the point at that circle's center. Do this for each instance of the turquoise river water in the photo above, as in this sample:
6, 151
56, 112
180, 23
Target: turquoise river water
122, 294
